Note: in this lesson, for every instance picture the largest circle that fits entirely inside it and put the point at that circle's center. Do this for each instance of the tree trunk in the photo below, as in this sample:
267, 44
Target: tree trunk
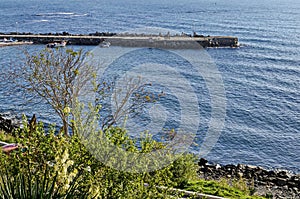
66, 127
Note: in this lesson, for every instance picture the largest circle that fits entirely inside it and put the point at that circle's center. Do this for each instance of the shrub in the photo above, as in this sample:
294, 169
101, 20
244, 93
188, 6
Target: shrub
49, 164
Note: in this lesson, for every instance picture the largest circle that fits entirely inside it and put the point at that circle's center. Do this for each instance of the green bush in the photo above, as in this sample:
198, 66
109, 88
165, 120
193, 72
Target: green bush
23, 186
52, 165
221, 188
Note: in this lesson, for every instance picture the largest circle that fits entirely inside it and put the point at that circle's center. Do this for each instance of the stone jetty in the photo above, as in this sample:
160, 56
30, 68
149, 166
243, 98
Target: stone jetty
130, 40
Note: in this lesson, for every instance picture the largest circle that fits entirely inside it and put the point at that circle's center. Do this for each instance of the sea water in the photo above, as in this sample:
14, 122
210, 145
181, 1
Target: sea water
261, 78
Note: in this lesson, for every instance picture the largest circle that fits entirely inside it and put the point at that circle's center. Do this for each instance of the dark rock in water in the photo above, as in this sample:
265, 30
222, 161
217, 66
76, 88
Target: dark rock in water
202, 162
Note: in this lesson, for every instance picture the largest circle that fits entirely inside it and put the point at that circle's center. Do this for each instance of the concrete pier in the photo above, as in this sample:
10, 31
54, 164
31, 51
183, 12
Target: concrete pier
132, 41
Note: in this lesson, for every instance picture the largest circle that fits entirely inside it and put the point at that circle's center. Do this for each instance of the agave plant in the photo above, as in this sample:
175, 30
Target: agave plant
28, 186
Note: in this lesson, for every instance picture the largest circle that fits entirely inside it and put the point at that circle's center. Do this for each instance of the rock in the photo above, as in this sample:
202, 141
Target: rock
241, 167
283, 174
8, 122
271, 174
280, 181
295, 178
251, 167
230, 168
262, 183
292, 184
295, 189
218, 166
202, 162
280, 197
240, 174
285, 187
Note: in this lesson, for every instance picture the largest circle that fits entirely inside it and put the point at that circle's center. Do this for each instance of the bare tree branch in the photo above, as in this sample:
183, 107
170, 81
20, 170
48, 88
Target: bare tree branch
56, 75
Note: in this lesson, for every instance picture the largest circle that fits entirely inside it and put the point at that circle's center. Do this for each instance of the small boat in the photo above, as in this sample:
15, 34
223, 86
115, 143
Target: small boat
10, 40
13, 42
57, 44
105, 44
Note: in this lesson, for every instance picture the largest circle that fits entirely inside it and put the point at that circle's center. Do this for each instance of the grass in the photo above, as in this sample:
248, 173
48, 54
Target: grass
222, 189
5, 137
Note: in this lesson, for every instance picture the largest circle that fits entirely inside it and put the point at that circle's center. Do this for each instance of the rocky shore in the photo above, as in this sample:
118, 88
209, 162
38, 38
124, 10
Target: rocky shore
8, 122
269, 183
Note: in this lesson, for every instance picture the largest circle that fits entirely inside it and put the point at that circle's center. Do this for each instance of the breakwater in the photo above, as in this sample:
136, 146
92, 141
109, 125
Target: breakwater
142, 40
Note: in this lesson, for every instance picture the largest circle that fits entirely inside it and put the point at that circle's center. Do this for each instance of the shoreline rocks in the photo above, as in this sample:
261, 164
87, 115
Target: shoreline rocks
9, 122
272, 183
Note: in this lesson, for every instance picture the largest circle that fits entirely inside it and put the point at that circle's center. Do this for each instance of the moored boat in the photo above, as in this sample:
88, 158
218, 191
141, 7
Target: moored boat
105, 44
10, 40
13, 42
57, 44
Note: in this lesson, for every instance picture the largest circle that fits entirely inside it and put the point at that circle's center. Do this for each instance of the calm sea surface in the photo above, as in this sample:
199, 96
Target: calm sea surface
261, 78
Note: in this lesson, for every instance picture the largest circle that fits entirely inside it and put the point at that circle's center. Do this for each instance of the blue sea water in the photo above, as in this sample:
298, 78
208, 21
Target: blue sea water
261, 78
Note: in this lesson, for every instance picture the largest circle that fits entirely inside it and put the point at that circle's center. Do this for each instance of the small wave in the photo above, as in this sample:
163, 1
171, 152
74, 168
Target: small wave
36, 21
194, 11
61, 14
79, 15
43, 20
54, 13
64, 13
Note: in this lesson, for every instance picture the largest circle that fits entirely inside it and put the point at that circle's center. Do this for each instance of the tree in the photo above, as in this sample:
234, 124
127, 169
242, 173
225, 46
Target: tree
128, 99
60, 75
56, 75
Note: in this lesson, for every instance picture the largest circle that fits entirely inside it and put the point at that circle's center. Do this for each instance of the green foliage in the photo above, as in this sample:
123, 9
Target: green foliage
25, 186
57, 76
51, 165
5, 137
242, 185
221, 188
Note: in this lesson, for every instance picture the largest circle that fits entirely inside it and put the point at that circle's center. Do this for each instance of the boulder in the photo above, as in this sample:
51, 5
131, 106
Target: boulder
280, 181
7, 124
